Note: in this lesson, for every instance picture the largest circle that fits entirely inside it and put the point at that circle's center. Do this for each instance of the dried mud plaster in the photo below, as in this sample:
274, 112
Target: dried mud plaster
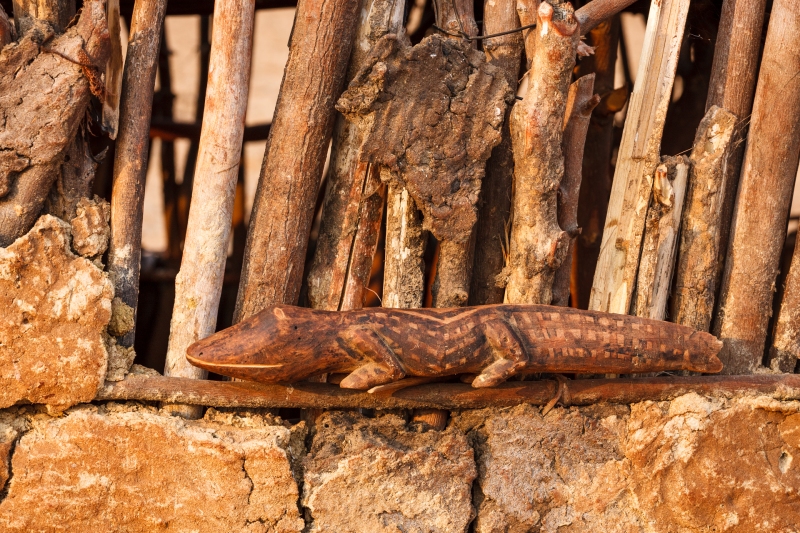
434, 113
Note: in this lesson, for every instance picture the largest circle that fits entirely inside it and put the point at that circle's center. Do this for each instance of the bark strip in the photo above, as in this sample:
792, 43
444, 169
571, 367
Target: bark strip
615, 275
580, 103
538, 245
283, 208
701, 227
660, 243
354, 198
198, 285
130, 160
762, 202
444, 395
404, 267
494, 209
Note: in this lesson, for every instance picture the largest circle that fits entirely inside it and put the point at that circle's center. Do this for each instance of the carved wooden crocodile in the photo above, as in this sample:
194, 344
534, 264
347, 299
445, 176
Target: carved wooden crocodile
377, 346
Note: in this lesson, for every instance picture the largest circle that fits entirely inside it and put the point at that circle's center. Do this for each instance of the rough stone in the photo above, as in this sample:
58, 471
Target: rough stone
377, 475
90, 229
128, 468
120, 358
691, 465
56, 307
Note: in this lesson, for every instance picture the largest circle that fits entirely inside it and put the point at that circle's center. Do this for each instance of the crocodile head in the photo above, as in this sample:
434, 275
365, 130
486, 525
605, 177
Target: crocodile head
280, 344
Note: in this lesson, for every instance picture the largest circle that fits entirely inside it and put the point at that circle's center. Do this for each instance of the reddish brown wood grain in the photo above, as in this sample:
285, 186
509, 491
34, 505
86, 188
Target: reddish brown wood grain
295, 155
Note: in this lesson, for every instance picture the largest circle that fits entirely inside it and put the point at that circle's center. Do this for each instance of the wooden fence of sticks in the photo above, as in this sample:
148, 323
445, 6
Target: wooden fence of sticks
441, 180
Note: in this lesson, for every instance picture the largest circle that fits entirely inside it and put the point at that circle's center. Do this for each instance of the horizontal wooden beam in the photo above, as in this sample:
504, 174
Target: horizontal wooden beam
442, 395
168, 130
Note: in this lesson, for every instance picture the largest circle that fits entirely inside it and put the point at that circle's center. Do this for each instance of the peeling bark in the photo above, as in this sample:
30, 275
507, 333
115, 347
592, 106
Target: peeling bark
580, 103
45, 90
7, 32
660, 242
283, 208
538, 245
615, 275
701, 227
74, 180
434, 112
762, 202
57, 12
494, 209
354, 197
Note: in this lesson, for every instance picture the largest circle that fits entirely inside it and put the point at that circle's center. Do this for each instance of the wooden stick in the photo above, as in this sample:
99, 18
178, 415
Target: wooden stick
697, 267
660, 241
295, 155
784, 387
130, 160
594, 13
494, 209
350, 214
762, 202
785, 349
113, 71
538, 245
580, 103
404, 267
732, 87
198, 285
638, 156
597, 174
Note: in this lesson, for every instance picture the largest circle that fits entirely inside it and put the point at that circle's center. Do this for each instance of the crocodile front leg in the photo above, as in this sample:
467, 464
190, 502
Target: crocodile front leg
509, 351
383, 367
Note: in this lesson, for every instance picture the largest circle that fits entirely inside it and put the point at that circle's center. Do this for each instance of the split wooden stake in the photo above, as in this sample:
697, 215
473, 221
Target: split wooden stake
732, 86
354, 196
701, 234
198, 285
130, 160
638, 156
762, 202
404, 267
494, 210
538, 245
660, 241
785, 350
580, 103
283, 208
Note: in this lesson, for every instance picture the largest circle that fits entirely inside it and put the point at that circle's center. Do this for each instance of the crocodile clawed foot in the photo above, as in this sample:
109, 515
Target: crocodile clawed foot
370, 375
496, 373
562, 393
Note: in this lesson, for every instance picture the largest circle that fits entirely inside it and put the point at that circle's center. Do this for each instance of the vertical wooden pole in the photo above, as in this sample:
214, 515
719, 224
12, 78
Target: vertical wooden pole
732, 86
762, 202
538, 244
295, 155
580, 103
198, 285
494, 209
351, 217
660, 241
696, 271
638, 156
596, 180
130, 160
785, 349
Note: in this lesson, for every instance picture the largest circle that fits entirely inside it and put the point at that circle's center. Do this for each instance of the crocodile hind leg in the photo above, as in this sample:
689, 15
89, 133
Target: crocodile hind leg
382, 365
509, 353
